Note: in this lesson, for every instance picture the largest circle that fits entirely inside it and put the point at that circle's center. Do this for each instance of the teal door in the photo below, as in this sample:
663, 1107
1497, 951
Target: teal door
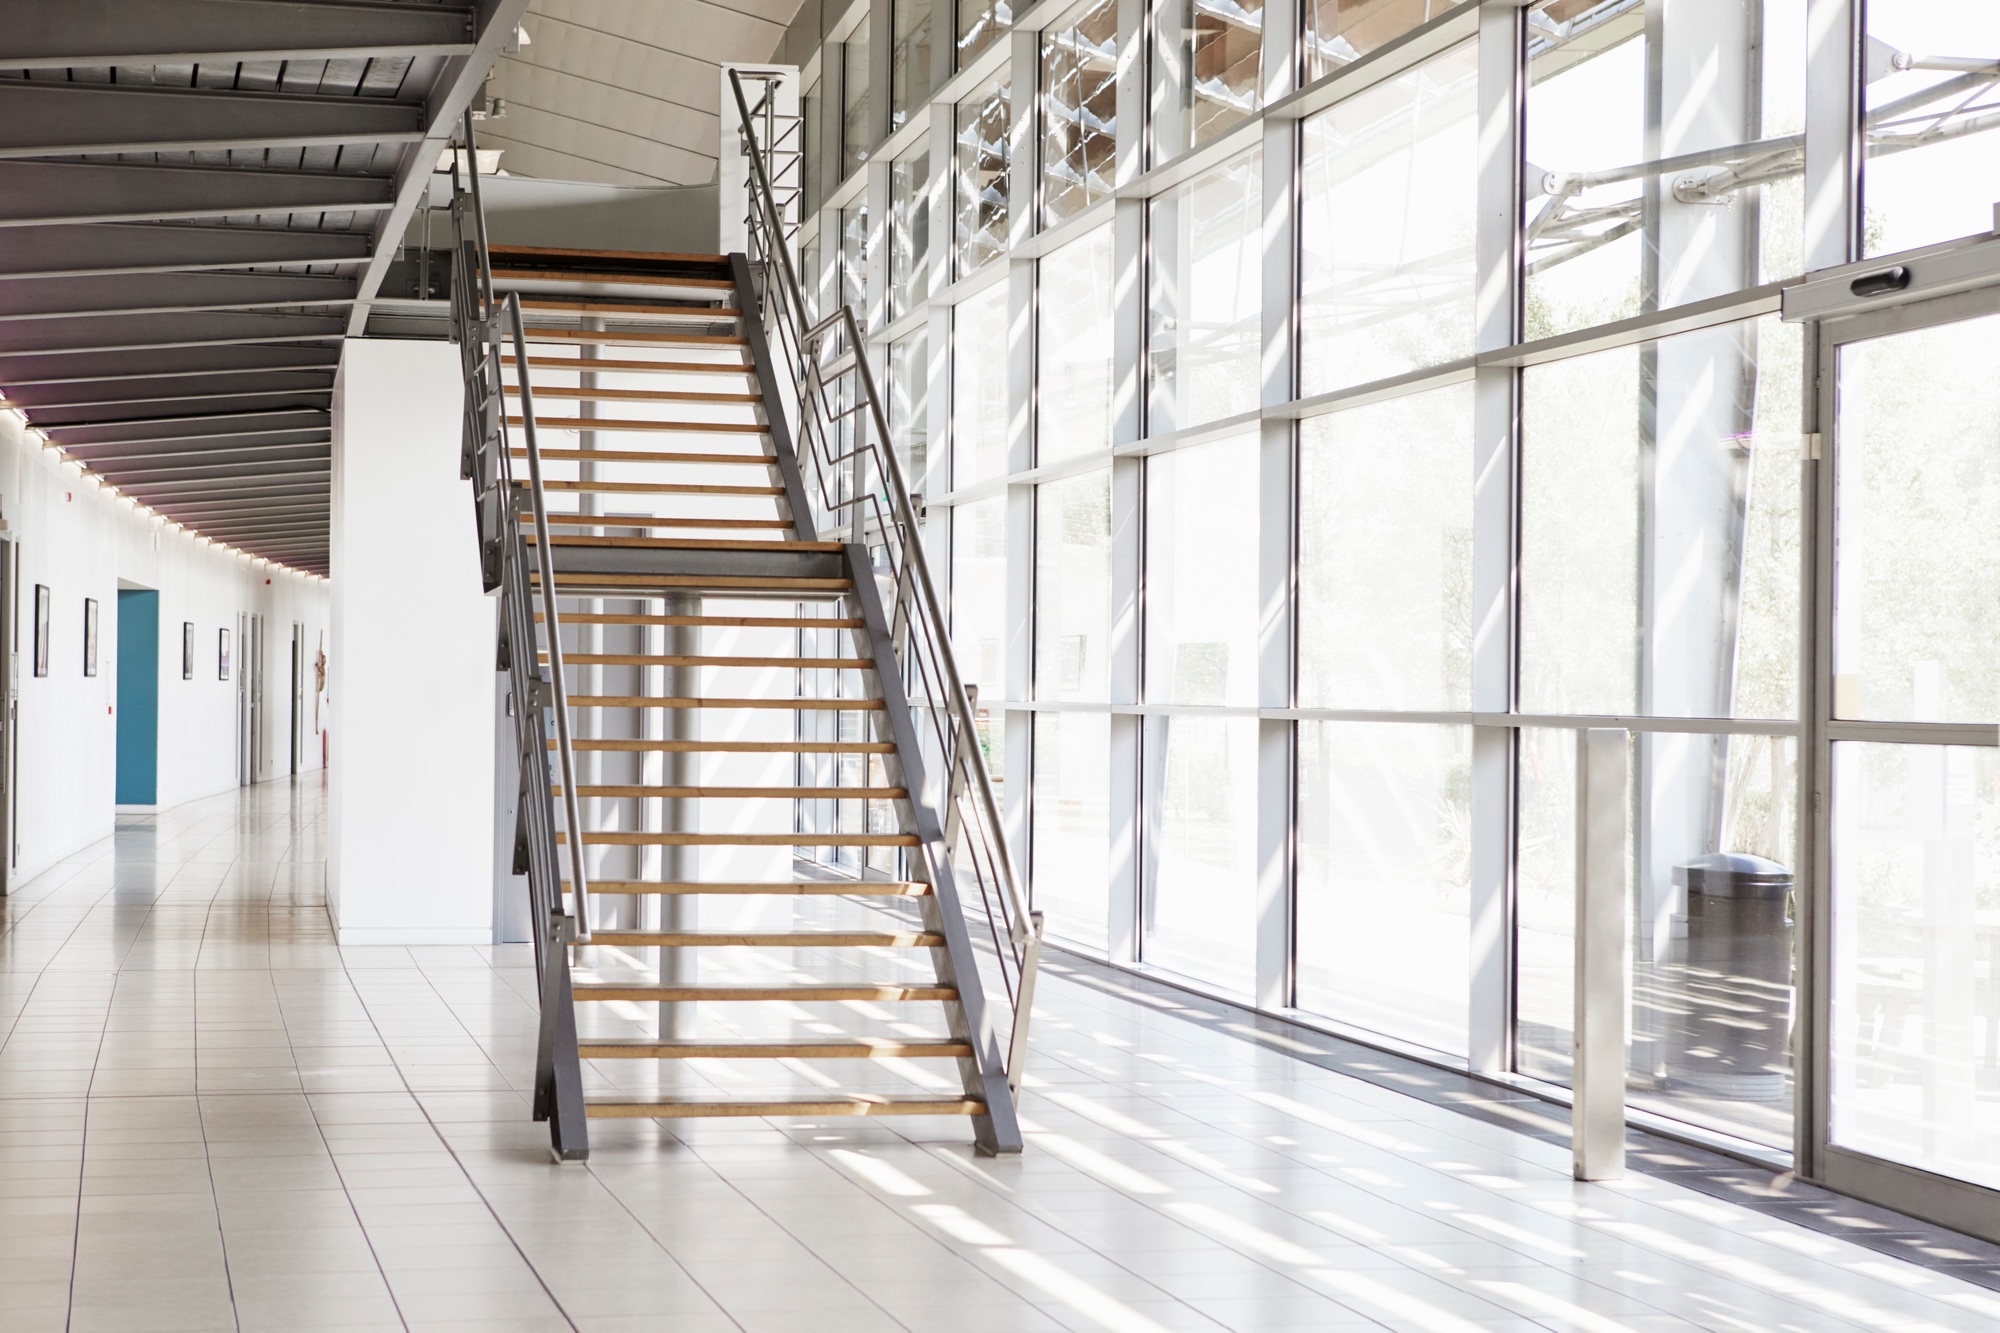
138, 697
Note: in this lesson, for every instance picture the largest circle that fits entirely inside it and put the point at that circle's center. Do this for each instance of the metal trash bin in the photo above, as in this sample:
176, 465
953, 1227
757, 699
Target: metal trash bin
1739, 911
1734, 875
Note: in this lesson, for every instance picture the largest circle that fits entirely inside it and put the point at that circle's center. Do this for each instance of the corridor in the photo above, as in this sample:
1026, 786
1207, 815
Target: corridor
213, 1118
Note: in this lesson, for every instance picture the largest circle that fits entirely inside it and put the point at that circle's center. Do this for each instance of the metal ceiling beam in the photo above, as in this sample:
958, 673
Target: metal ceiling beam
46, 193
247, 488
105, 333
121, 247
148, 397
135, 293
95, 455
303, 505
453, 91
265, 428
164, 366
96, 33
49, 416
48, 119
276, 526
126, 473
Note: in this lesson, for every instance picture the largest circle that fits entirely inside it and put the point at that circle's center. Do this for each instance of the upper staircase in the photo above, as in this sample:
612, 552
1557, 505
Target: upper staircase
756, 824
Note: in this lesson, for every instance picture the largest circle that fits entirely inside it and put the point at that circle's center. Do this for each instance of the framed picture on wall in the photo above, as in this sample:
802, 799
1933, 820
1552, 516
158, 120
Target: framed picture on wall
187, 650
41, 629
222, 655
90, 636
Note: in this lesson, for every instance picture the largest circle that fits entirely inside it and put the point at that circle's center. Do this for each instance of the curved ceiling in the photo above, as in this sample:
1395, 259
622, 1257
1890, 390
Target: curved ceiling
625, 92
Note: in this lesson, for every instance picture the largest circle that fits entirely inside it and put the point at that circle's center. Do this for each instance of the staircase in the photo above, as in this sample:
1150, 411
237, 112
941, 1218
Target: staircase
756, 825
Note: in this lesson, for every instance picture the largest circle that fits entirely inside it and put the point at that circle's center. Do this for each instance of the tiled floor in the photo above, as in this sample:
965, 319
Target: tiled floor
212, 1118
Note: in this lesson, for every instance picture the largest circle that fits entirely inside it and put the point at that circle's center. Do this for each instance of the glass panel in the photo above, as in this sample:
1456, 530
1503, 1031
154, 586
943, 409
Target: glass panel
1204, 330
1385, 230
980, 229
980, 23
1660, 541
1200, 849
1210, 52
1072, 825
1712, 931
1079, 110
1916, 623
909, 234
909, 408
979, 388
909, 59
1201, 574
1073, 588
1931, 86
1660, 170
1916, 956
1340, 31
1385, 878
855, 137
854, 261
1385, 554
979, 612
1073, 351
811, 162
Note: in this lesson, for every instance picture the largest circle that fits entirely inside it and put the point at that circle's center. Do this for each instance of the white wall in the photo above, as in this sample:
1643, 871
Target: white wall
80, 541
410, 830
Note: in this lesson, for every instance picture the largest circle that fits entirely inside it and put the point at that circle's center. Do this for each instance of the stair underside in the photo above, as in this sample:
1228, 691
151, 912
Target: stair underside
666, 1108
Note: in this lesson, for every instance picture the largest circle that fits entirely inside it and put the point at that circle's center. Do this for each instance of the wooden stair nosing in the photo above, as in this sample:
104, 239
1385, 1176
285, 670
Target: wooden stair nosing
507, 277
642, 792
612, 338
568, 519
660, 659
744, 582
736, 747
599, 305
621, 839
791, 888
828, 1048
634, 395
652, 456
797, 939
599, 364
641, 424
785, 705
856, 1105
685, 543
648, 992
693, 260
652, 488
726, 622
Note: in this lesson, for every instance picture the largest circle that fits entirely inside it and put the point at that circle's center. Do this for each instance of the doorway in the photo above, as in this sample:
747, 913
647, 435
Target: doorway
298, 693
1906, 895
138, 775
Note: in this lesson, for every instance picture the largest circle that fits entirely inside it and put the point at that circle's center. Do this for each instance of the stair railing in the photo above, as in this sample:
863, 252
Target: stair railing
486, 329
857, 492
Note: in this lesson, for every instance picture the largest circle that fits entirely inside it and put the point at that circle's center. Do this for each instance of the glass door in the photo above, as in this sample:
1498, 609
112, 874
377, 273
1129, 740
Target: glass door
1907, 937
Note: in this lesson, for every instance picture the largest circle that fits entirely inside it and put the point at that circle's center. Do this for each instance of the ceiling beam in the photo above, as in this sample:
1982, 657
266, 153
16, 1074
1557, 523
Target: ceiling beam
241, 428
457, 82
164, 366
121, 247
314, 528
136, 293
50, 415
246, 488
107, 333
46, 193
125, 473
95, 455
48, 119
299, 505
96, 33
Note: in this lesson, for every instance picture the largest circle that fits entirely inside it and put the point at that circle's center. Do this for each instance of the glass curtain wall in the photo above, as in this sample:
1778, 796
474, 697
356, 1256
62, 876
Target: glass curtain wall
1285, 622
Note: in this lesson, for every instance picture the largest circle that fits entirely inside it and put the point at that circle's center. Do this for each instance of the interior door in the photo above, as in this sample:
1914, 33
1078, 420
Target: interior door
9, 716
1907, 775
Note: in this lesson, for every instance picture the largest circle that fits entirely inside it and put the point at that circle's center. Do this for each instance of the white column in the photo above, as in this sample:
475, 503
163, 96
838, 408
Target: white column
410, 811
1603, 957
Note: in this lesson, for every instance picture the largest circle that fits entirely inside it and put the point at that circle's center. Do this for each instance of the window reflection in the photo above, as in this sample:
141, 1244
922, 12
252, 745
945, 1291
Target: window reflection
909, 407
1210, 52
979, 230
1931, 94
1204, 334
1079, 110
1201, 574
980, 24
1338, 32
1073, 588
1199, 912
856, 137
909, 233
1072, 825
1385, 228
1073, 349
909, 58
979, 407
979, 614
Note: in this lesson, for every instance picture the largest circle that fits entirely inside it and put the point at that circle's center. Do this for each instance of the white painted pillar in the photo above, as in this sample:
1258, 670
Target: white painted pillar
410, 810
1603, 957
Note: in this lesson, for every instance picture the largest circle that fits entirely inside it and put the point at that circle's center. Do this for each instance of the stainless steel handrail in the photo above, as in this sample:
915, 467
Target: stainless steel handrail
877, 510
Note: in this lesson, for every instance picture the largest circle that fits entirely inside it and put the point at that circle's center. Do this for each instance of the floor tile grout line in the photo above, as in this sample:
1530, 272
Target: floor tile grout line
672, 1258
201, 1119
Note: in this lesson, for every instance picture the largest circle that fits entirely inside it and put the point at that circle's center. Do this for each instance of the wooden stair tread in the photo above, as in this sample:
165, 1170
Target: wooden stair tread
615, 256
602, 306
633, 367
640, 424
665, 1108
787, 888
822, 1048
652, 456
787, 705
504, 276
566, 519
643, 991
732, 622
683, 543
636, 395
640, 839
671, 659
611, 338
791, 939
745, 582
652, 488
738, 747
660, 791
